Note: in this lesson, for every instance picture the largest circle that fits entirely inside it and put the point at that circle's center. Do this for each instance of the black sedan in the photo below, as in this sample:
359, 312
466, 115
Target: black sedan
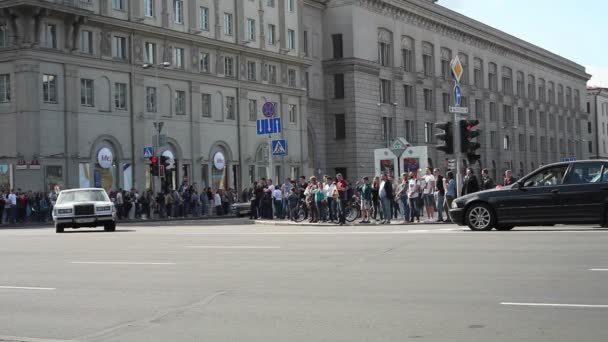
561, 193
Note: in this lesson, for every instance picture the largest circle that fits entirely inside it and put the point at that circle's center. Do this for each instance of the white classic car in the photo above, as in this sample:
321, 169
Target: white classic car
84, 208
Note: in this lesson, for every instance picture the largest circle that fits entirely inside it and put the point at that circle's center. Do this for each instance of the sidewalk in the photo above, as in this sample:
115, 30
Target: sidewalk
32, 225
305, 223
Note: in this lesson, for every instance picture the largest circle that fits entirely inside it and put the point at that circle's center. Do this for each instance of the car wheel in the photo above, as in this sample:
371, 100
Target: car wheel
504, 228
480, 217
59, 228
605, 221
110, 227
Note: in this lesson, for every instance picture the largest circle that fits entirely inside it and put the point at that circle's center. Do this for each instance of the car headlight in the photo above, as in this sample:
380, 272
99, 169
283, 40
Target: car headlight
64, 211
454, 205
106, 208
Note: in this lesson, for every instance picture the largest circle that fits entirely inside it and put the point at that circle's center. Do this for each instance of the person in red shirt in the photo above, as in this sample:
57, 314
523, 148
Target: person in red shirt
342, 187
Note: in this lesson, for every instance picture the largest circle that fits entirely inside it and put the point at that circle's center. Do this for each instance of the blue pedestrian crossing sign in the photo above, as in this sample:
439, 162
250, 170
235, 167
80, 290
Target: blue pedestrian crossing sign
279, 147
148, 151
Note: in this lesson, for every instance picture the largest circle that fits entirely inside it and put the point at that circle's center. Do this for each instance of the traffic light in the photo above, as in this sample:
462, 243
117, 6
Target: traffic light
153, 166
447, 136
467, 134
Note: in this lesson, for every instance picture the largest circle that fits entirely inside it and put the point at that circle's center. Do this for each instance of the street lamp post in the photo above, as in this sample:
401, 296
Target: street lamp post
158, 125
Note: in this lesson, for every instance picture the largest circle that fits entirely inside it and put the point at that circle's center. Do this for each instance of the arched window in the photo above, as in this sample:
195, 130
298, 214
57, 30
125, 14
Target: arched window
531, 86
427, 59
568, 97
384, 47
541, 90
507, 80
446, 58
478, 72
506, 143
407, 54
577, 100
560, 94
520, 84
492, 76
551, 91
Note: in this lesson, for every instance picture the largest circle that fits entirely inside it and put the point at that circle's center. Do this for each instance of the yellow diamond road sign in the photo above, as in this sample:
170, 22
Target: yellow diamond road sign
456, 68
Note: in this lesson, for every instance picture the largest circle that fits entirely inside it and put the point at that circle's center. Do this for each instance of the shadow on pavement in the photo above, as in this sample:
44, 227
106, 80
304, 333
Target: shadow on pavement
77, 231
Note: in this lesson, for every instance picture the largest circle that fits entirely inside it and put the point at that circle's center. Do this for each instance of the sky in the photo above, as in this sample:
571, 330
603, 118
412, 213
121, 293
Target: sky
576, 30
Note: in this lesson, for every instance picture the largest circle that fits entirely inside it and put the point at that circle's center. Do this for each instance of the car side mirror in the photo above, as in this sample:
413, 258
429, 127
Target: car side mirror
519, 186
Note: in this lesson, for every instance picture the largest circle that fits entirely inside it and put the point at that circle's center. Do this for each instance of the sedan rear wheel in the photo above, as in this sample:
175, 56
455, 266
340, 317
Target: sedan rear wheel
480, 217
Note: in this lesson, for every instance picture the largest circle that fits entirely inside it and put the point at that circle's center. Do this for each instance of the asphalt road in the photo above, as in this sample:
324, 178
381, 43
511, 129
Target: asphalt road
274, 283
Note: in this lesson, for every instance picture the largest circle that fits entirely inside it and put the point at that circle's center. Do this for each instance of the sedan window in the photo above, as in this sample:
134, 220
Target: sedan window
547, 177
82, 196
584, 174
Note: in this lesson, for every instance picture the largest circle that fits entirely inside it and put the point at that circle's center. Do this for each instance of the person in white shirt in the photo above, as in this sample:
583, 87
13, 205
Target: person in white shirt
331, 203
217, 200
270, 186
428, 194
413, 192
12, 203
277, 196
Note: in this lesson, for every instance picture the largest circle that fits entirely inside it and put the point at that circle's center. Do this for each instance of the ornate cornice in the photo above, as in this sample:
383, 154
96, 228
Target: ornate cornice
458, 27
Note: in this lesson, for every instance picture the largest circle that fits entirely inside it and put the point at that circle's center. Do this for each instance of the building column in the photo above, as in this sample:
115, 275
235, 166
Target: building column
195, 133
141, 137
71, 83
27, 123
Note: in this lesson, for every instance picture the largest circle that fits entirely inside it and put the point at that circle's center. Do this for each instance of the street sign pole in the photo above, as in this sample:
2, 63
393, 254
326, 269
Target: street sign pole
457, 71
270, 166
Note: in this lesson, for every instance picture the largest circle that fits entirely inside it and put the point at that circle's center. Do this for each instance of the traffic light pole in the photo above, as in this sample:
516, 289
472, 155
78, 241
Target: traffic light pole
457, 153
158, 179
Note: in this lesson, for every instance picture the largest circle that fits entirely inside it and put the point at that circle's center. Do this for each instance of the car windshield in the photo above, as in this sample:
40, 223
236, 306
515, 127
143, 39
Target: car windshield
82, 196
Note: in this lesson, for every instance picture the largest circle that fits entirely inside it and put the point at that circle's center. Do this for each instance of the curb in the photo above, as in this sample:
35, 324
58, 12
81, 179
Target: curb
35, 225
306, 224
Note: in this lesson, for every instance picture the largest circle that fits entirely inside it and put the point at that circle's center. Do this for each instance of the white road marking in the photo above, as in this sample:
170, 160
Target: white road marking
235, 247
599, 269
121, 263
27, 288
557, 305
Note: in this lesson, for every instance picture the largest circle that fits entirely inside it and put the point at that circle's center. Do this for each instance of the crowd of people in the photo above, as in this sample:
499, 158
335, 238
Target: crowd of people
25, 206
186, 201
413, 198
17, 207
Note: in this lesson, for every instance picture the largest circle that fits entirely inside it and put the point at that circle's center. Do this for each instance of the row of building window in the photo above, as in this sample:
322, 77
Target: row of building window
541, 93
120, 51
429, 101
387, 130
228, 23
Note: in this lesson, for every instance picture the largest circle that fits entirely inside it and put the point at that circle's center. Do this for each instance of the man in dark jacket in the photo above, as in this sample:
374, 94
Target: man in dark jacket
487, 183
386, 197
470, 184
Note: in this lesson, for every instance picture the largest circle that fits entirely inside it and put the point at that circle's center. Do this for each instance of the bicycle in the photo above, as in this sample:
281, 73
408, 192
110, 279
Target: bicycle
352, 210
301, 211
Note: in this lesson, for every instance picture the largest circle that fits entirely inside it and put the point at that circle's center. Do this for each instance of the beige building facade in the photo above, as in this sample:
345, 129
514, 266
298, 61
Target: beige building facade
84, 81
380, 70
597, 107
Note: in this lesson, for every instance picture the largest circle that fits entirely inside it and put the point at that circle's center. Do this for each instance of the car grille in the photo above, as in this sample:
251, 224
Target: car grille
84, 209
